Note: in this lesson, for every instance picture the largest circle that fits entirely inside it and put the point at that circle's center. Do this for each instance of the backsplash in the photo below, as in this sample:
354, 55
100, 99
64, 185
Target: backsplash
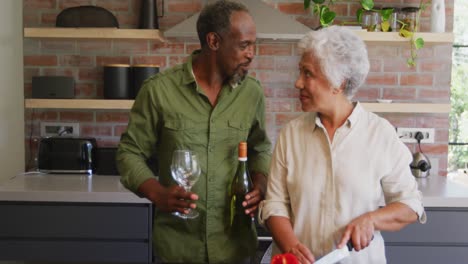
275, 66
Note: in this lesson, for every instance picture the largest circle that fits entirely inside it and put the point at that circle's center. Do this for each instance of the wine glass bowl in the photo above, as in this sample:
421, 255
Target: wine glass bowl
185, 170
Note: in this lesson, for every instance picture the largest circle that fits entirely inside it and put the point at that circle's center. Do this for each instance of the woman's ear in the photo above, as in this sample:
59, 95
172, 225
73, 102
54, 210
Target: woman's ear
213, 40
341, 88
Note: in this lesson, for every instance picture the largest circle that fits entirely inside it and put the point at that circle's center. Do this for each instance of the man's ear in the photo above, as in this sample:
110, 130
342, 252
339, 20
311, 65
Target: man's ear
213, 40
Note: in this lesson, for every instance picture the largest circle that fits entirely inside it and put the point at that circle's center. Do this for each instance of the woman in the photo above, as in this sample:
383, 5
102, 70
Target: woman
334, 167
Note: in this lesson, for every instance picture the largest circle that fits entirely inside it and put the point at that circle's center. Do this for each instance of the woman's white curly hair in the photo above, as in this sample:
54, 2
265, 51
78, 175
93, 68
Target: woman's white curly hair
342, 56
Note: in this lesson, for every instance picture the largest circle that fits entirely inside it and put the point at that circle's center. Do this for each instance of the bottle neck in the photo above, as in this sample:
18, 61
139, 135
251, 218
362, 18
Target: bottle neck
242, 158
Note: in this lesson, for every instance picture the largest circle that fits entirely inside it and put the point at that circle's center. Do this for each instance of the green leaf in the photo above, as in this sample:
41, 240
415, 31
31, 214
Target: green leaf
411, 62
405, 33
319, 1
419, 43
327, 18
386, 13
306, 4
385, 26
367, 4
359, 15
317, 10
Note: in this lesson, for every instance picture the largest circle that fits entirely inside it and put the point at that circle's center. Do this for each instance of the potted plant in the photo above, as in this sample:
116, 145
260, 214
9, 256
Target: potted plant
321, 8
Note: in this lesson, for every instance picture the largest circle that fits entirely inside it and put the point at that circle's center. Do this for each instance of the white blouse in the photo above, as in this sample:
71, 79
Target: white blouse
321, 187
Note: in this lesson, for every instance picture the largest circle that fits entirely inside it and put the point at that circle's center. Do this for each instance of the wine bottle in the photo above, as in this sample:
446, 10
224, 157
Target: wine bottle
241, 185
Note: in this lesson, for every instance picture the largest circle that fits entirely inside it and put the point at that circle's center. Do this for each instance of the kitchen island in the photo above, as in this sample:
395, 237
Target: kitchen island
444, 237
73, 218
78, 218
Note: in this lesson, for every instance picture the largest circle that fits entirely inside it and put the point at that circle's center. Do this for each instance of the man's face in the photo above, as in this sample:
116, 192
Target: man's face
237, 47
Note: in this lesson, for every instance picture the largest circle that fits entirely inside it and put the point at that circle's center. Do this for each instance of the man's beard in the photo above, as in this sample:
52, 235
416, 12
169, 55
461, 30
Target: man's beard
238, 77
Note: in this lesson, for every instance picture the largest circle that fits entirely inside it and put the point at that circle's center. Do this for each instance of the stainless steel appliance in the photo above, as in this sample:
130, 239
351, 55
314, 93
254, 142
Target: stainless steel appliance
67, 155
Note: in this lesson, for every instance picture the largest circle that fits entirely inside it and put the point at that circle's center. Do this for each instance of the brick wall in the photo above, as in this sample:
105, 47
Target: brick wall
275, 66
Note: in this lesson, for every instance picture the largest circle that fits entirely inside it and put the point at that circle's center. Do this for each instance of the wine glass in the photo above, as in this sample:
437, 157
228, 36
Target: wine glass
185, 170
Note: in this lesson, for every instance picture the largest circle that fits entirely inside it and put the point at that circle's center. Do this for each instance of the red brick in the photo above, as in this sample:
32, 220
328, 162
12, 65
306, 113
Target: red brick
375, 65
184, 6
44, 115
279, 105
433, 121
275, 77
263, 63
85, 90
399, 120
167, 48
442, 79
435, 95
287, 93
292, 8
119, 130
435, 148
58, 46
382, 79
156, 60
112, 117
397, 64
435, 65
367, 94
441, 135
114, 5
105, 60
72, 116
127, 20
287, 63
268, 92
131, 47
426, 52
89, 74
62, 71
275, 49
40, 60
71, 3
191, 47
28, 73
175, 60
31, 46
416, 79
379, 51
27, 90
168, 21
48, 19
92, 131
76, 60
108, 143
39, 4
94, 47
399, 93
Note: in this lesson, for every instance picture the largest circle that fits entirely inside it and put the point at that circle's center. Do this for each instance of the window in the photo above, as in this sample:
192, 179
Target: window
458, 132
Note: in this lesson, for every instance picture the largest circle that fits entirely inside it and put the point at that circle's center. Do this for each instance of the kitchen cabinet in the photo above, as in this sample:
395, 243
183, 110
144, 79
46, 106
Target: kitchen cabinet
73, 218
444, 237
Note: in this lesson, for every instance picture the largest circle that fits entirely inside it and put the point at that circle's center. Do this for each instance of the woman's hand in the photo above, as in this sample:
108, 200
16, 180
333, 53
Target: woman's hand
360, 231
302, 253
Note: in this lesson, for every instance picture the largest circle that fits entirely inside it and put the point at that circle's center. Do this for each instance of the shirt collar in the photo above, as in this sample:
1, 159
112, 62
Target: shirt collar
352, 119
189, 76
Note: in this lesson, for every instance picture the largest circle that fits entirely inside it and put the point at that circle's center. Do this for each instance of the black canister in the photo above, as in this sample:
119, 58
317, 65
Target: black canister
141, 72
149, 14
117, 81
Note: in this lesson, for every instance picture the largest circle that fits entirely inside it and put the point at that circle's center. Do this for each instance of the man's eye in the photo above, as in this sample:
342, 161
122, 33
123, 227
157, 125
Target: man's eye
308, 74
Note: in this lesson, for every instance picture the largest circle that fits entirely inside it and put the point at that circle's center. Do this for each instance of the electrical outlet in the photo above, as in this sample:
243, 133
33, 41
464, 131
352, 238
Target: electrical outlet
408, 135
53, 129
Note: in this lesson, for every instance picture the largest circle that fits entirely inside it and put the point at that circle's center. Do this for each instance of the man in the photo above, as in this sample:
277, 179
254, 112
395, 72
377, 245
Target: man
207, 105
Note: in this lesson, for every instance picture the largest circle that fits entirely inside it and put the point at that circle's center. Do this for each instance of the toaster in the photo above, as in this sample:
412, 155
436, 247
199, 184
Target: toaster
67, 155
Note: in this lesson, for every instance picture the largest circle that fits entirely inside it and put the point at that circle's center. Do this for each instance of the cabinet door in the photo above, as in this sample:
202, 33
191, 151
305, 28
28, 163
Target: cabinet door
426, 254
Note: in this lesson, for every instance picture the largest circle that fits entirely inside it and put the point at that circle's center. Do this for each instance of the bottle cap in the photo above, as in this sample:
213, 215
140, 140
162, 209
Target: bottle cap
243, 149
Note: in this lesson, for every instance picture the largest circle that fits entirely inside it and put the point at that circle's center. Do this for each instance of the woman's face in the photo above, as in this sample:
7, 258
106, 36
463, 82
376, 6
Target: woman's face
315, 89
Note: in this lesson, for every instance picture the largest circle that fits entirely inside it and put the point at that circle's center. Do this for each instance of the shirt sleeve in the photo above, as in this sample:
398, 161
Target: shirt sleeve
258, 142
138, 142
277, 201
399, 185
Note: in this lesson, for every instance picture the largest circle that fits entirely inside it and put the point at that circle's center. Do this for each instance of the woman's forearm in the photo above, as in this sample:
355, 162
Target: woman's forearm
282, 231
393, 217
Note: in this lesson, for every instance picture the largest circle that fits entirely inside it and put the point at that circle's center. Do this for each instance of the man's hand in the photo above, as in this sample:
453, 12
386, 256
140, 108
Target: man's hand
253, 198
168, 199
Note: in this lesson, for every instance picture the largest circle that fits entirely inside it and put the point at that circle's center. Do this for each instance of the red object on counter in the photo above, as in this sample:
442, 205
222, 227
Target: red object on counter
286, 258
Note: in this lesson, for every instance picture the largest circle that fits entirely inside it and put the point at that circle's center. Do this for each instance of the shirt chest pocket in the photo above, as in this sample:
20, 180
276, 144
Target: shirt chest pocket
238, 131
181, 133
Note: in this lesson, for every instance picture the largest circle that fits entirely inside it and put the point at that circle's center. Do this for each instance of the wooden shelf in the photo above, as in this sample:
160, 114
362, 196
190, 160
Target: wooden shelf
127, 104
78, 104
93, 33
435, 38
154, 34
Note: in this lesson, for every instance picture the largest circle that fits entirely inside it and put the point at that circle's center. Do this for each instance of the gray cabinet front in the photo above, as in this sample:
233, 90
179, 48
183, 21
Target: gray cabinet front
76, 232
443, 239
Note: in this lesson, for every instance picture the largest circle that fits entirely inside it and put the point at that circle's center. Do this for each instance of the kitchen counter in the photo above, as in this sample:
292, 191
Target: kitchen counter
438, 191
38, 187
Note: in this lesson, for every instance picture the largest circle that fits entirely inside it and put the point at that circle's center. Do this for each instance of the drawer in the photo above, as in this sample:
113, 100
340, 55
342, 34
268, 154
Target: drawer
75, 220
444, 225
75, 251
426, 255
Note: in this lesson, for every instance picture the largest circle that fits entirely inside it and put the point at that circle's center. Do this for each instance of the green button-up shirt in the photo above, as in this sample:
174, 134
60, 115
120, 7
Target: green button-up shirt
172, 112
